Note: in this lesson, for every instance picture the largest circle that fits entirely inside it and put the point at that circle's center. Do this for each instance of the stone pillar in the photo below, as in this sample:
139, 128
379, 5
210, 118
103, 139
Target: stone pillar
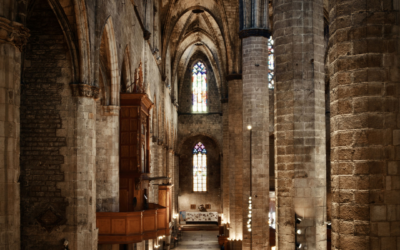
300, 124
235, 162
176, 184
107, 158
225, 160
256, 115
107, 162
153, 169
254, 32
365, 128
10, 74
160, 169
171, 173
80, 183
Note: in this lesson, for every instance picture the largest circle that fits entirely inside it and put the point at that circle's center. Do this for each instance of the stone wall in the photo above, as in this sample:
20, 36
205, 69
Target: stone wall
186, 194
43, 129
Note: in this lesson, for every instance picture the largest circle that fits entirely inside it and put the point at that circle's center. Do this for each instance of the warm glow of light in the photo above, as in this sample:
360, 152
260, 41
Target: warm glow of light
273, 248
249, 127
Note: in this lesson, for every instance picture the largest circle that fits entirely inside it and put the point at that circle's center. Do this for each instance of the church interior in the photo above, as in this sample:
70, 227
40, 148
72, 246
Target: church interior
199, 124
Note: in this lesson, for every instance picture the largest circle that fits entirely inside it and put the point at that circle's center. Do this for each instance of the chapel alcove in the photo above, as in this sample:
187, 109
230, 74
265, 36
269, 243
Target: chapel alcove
187, 196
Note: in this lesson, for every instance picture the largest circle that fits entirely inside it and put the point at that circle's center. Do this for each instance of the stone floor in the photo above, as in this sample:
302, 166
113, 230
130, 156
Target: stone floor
198, 240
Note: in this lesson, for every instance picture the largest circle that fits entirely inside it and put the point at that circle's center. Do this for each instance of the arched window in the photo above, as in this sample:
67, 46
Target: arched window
271, 64
199, 168
199, 83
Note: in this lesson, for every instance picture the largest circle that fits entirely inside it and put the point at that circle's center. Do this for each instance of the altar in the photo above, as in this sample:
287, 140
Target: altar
201, 217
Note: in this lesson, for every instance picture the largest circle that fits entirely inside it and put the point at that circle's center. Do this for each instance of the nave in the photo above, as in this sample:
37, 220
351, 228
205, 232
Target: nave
198, 240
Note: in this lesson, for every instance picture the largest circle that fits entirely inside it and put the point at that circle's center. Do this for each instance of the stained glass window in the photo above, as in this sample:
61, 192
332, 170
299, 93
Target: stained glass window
199, 168
199, 82
271, 64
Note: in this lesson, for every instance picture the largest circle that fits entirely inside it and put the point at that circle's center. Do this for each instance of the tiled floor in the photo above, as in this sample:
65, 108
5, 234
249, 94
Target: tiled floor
198, 240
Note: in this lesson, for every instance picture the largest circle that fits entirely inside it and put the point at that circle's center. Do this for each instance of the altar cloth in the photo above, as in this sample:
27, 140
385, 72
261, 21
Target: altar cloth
202, 216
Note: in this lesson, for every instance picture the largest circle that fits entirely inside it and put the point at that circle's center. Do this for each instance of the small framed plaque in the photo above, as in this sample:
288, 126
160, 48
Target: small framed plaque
208, 206
192, 206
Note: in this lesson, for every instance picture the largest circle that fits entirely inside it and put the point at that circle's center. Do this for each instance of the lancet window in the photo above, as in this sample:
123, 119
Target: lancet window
199, 168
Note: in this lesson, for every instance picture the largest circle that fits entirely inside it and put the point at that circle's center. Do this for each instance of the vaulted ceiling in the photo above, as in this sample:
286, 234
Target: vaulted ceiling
206, 26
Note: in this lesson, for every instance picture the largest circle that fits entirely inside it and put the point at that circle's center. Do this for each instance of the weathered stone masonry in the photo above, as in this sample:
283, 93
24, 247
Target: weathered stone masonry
364, 81
41, 124
300, 123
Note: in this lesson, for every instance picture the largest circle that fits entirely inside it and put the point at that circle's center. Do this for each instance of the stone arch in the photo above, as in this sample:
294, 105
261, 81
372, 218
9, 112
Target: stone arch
127, 80
83, 41
68, 35
189, 136
183, 65
221, 23
107, 39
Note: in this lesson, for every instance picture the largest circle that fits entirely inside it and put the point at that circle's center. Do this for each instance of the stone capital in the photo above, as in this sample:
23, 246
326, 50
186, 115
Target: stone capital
85, 90
254, 32
13, 33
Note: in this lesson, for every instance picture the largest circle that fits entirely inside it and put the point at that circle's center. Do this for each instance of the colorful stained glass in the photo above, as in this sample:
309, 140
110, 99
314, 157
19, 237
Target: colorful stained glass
199, 82
271, 64
199, 168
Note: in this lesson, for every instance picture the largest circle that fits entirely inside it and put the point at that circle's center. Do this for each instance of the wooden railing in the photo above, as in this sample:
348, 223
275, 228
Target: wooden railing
132, 227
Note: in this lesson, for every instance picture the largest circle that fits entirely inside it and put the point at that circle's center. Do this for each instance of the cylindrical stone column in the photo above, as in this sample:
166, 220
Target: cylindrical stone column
107, 162
365, 128
80, 179
256, 150
10, 74
176, 183
235, 162
153, 170
107, 158
225, 159
171, 172
300, 124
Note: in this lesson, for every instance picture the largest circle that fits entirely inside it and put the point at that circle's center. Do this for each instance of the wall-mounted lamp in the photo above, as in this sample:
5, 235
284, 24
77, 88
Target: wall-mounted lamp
298, 245
249, 127
298, 231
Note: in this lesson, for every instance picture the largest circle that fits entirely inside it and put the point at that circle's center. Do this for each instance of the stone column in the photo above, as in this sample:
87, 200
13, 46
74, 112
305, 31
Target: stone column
225, 159
176, 183
171, 173
12, 37
254, 32
255, 114
107, 162
80, 182
235, 162
300, 124
365, 128
154, 169
160, 169
107, 158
